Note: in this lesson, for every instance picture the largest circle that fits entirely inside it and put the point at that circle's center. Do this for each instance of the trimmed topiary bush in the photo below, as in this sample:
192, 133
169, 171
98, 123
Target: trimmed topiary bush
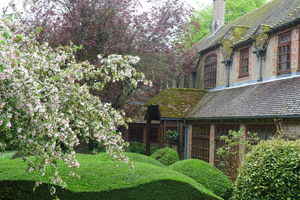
166, 156
133, 157
205, 174
102, 180
270, 171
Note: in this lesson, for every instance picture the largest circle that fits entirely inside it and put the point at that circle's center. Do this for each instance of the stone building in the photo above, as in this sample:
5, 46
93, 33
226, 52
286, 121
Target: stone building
250, 69
248, 72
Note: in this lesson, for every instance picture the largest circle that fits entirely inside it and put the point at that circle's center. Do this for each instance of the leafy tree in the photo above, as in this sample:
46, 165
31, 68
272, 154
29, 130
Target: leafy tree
46, 108
116, 26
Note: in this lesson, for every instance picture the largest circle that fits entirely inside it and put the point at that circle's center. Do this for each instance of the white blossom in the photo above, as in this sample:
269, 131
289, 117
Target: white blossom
43, 106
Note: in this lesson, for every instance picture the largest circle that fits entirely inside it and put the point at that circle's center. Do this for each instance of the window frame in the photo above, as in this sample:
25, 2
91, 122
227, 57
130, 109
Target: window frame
241, 66
279, 45
211, 77
265, 128
201, 142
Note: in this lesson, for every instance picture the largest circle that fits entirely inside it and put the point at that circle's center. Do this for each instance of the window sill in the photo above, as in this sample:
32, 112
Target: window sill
243, 75
284, 72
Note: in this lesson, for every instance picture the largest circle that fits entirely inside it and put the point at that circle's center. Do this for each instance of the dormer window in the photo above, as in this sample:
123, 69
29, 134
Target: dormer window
210, 71
284, 53
244, 62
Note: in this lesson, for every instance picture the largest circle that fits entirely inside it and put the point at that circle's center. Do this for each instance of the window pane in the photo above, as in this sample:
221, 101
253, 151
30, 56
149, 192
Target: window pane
210, 67
284, 50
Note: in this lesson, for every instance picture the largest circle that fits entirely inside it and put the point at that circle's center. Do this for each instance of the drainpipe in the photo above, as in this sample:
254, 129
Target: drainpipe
185, 125
260, 52
227, 63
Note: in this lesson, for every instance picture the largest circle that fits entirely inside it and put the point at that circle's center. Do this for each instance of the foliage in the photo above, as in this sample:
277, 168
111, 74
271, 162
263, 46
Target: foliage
138, 147
166, 156
7, 154
234, 146
133, 157
202, 20
116, 27
172, 137
102, 179
205, 174
270, 171
46, 108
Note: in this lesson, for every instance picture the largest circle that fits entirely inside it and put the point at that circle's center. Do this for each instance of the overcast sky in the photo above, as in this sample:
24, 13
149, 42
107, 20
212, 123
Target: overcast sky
194, 3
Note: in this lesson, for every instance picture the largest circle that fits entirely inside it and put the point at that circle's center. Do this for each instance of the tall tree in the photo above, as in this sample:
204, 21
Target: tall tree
116, 26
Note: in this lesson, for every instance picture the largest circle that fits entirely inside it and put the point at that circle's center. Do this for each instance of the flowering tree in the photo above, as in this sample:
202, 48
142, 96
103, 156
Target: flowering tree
116, 26
46, 107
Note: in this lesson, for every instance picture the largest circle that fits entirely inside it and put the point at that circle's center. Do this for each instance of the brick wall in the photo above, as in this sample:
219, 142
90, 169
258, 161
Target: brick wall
292, 130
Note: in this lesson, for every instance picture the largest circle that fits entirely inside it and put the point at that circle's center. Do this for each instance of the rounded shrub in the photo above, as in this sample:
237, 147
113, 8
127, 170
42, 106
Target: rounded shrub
166, 156
270, 171
102, 180
205, 174
133, 157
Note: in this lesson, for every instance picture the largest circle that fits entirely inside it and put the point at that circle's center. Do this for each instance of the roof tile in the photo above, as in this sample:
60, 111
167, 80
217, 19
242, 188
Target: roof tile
276, 98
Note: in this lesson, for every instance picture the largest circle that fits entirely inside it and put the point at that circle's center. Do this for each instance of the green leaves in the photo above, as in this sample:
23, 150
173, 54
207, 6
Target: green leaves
1, 67
271, 171
38, 30
6, 35
166, 156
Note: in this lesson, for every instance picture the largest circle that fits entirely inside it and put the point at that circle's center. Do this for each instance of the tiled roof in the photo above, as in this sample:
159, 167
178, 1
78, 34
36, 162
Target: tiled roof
273, 14
176, 102
275, 98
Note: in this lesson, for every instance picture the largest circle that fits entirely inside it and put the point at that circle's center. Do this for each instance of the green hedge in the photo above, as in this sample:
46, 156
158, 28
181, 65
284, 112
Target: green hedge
137, 147
205, 174
102, 180
134, 157
166, 156
270, 171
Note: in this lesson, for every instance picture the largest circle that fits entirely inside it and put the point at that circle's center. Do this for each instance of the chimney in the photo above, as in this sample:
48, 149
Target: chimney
218, 15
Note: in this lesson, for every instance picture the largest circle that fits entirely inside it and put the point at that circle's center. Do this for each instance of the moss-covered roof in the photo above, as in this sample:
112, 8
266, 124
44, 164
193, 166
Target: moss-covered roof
176, 102
273, 14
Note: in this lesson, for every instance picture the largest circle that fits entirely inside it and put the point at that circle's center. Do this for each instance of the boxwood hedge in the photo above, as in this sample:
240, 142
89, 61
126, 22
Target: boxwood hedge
270, 171
166, 156
102, 179
205, 174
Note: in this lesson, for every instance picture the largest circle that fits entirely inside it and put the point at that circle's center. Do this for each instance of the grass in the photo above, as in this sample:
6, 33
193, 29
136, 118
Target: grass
205, 174
103, 179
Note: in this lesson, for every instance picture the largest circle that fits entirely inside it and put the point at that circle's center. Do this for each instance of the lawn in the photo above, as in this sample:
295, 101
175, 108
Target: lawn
102, 178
